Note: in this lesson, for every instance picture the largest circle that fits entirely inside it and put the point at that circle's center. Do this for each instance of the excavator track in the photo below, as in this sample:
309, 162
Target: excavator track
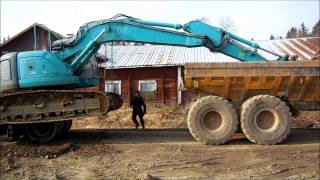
42, 115
43, 106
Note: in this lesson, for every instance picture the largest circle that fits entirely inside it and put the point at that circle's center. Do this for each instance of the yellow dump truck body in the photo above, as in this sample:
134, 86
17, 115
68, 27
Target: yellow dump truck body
296, 82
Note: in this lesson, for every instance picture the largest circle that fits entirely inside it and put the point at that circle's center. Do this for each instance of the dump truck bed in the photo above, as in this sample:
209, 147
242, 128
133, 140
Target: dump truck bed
296, 82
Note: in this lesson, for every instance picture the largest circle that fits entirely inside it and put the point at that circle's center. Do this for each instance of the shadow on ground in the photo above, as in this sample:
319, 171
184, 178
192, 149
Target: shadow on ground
129, 136
154, 136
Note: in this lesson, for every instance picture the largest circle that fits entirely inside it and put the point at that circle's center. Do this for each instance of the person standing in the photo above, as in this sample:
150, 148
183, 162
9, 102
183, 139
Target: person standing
138, 108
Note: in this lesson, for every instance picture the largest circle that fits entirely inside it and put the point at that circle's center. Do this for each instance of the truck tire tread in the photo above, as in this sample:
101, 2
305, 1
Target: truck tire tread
216, 101
280, 107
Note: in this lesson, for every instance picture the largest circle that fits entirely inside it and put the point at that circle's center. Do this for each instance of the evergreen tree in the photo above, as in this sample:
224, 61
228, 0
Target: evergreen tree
271, 37
316, 30
292, 33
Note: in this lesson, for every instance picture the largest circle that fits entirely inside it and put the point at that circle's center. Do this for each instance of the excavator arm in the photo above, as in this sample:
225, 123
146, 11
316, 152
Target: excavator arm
90, 36
77, 50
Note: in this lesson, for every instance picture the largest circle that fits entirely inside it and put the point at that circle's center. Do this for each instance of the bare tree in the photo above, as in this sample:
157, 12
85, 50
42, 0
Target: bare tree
227, 24
303, 31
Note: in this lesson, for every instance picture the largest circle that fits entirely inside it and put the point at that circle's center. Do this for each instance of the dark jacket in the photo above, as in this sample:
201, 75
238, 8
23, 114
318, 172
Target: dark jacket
137, 103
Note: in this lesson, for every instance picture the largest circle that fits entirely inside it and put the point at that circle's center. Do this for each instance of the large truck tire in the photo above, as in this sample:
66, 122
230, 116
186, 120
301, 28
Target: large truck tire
265, 119
212, 120
43, 132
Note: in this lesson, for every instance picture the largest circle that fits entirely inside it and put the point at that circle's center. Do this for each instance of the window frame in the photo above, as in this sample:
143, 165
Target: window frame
113, 82
151, 81
146, 81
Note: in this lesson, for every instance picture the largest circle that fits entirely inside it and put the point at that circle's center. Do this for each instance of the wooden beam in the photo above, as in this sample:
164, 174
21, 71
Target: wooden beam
129, 89
102, 79
162, 89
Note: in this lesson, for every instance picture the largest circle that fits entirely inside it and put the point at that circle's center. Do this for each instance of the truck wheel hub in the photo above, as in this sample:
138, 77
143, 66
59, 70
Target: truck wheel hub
266, 120
212, 120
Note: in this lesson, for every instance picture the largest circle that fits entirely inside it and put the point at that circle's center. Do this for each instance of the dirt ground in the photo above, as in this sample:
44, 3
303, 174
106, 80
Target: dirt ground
108, 148
160, 154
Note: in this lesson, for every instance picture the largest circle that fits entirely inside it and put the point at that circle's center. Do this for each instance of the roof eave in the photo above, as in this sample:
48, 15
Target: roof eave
57, 35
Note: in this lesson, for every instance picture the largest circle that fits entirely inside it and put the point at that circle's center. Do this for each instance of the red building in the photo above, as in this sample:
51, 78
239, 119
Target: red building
35, 37
156, 84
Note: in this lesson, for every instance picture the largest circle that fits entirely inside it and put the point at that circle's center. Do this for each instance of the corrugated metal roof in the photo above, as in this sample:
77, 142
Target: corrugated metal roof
304, 48
159, 55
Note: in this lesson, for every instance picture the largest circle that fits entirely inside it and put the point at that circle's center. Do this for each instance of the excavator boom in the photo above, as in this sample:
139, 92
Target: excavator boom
79, 48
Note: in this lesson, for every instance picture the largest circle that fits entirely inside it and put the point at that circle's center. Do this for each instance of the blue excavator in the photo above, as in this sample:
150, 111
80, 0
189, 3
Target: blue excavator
40, 89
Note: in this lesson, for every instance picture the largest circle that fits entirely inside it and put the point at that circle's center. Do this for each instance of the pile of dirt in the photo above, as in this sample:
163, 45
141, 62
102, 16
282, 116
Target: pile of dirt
307, 119
10, 151
158, 116
7, 164
26, 149
166, 116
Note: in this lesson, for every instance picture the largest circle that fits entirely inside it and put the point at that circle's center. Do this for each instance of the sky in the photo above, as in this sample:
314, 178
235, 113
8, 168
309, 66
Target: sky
253, 19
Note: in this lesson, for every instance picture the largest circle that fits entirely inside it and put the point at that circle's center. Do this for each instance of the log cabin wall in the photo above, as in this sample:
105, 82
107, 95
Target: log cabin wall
165, 78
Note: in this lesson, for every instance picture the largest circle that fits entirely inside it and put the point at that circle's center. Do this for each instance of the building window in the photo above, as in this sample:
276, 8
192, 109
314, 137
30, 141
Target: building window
113, 86
148, 89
